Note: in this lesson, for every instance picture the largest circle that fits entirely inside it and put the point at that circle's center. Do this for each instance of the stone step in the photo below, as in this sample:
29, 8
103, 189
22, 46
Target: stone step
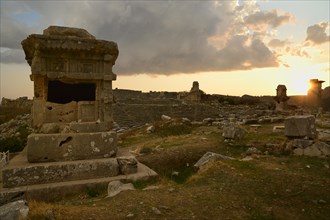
34, 173
57, 191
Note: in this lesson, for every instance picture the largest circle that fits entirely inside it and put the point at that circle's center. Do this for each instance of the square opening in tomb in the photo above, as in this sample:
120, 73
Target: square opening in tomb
62, 93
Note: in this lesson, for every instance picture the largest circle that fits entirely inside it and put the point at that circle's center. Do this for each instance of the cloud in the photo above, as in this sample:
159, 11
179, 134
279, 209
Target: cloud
278, 43
298, 51
164, 37
262, 19
317, 33
12, 56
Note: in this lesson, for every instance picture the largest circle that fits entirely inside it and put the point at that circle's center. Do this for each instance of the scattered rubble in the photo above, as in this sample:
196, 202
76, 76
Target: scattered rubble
12, 127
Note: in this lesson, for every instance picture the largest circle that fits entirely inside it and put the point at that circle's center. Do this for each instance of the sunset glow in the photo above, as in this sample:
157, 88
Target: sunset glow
231, 47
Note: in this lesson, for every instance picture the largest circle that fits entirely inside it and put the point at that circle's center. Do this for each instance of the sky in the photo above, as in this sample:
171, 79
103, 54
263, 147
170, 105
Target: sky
230, 47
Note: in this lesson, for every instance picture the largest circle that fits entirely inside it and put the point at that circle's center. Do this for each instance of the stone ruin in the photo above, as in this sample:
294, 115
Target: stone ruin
72, 104
314, 94
195, 94
281, 98
71, 112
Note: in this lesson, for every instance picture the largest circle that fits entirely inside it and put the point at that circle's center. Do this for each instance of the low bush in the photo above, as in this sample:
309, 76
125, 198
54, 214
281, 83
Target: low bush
173, 130
11, 144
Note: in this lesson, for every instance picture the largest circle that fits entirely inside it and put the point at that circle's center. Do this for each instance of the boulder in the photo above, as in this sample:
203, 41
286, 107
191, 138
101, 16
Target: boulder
210, 156
233, 132
115, 187
14, 211
166, 118
186, 121
310, 148
323, 147
300, 126
150, 129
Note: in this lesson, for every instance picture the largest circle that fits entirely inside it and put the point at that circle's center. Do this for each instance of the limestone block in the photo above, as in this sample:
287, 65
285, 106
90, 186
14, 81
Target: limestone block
70, 146
300, 126
89, 126
127, 165
60, 112
40, 173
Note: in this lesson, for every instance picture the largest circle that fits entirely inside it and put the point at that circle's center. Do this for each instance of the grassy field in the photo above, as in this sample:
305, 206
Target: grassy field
273, 185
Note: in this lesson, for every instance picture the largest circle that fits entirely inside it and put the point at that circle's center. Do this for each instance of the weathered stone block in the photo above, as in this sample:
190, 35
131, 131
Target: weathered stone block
71, 146
59, 172
233, 132
300, 126
127, 165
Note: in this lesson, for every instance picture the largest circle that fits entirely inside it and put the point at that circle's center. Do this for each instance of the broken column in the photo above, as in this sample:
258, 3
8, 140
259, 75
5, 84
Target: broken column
281, 98
72, 104
195, 94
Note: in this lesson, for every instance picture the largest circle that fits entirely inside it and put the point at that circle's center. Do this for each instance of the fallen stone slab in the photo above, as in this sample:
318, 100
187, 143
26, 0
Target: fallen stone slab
210, 156
57, 191
300, 126
30, 174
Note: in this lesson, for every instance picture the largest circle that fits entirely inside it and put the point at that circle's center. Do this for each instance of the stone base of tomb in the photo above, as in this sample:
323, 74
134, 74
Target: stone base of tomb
71, 146
56, 180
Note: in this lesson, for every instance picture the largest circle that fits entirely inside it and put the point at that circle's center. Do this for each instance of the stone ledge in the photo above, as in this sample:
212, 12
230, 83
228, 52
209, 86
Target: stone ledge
59, 171
58, 191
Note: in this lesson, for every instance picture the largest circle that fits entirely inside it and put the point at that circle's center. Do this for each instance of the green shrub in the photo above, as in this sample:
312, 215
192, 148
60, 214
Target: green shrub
95, 191
146, 150
173, 130
13, 144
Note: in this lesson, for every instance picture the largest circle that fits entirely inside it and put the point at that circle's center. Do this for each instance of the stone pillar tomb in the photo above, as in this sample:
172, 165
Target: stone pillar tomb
314, 94
281, 98
72, 104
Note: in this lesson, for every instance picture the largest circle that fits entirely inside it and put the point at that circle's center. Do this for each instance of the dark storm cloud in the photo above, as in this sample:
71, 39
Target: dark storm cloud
317, 33
158, 37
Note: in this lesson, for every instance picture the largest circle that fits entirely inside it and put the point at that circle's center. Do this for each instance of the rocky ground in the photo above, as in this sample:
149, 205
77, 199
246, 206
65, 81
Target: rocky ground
264, 180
